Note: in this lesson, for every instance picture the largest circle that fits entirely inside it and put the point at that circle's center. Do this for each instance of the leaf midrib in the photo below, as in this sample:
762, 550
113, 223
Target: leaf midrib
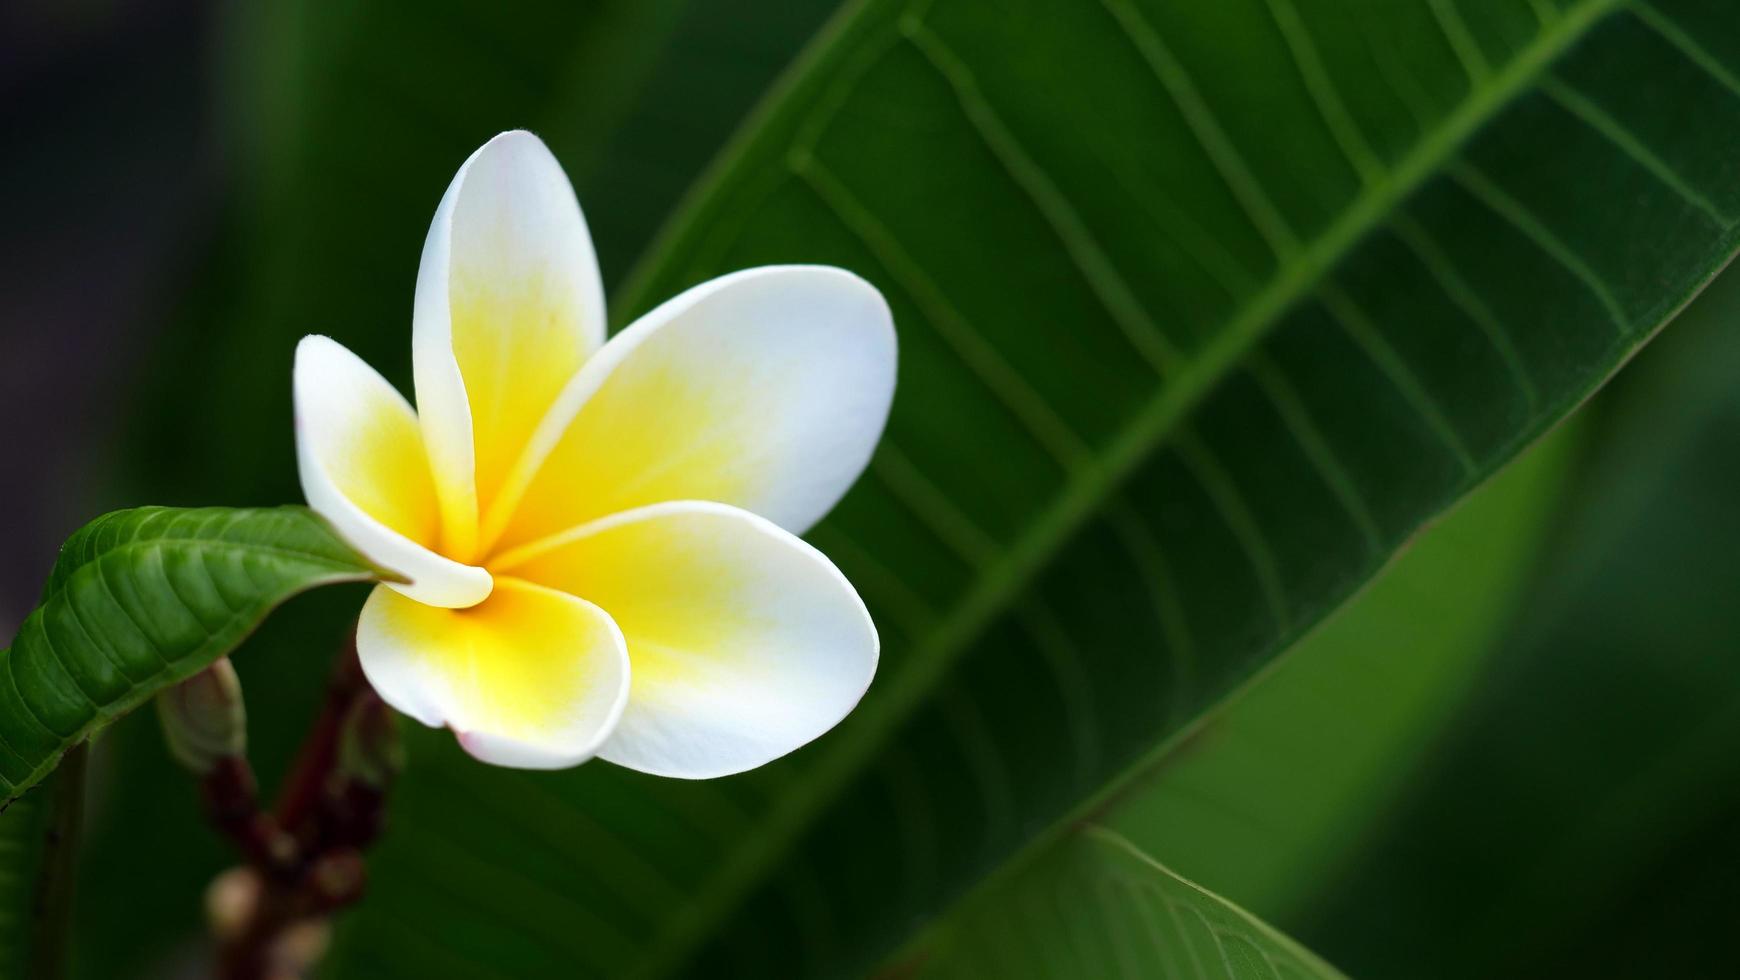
1090, 486
217, 544
201, 535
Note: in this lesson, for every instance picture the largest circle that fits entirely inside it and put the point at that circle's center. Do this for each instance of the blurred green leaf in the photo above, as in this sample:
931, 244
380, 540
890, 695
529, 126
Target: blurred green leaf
1204, 310
22, 826
38, 836
1280, 788
1097, 906
143, 599
1593, 781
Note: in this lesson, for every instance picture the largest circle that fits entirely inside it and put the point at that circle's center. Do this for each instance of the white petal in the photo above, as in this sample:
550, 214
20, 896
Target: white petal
530, 678
766, 389
509, 305
361, 459
745, 642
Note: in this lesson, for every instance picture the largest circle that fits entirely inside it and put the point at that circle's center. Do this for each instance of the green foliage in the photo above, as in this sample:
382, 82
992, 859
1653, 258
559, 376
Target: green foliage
1166, 401
1097, 906
1271, 793
142, 599
39, 839
21, 826
1204, 308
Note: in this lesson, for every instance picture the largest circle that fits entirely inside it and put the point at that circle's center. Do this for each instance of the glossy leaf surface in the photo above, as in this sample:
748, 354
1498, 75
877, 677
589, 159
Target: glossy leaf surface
139, 600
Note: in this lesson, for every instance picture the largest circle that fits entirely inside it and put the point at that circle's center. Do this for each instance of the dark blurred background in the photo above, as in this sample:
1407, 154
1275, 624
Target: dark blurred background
188, 187
110, 181
162, 190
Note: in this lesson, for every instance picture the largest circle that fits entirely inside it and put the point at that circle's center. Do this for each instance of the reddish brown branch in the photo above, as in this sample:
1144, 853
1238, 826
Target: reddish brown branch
314, 763
232, 805
305, 859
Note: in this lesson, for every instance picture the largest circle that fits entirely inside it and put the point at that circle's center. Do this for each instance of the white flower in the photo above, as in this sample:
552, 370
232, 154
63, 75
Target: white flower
599, 540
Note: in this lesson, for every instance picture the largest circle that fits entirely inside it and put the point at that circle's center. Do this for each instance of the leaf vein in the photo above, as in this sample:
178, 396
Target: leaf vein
1229, 501
1438, 264
1688, 46
934, 509
1588, 112
1513, 211
1206, 128
1089, 257
1462, 43
1018, 397
1291, 410
1320, 85
1365, 334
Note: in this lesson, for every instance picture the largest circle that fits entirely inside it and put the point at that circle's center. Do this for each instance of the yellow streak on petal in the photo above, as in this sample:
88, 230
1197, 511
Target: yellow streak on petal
661, 428
526, 663
677, 592
745, 642
379, 464
517, 346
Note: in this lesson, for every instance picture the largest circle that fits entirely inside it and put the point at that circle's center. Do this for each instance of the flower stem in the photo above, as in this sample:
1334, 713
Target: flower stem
314, 763
305, 856
54, 888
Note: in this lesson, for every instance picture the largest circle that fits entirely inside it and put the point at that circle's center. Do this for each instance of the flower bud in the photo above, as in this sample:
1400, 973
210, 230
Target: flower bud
203, 718
369, 750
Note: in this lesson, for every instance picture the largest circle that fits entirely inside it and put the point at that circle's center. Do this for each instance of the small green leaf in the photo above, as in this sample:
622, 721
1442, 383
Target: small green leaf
1097, 906
139, 600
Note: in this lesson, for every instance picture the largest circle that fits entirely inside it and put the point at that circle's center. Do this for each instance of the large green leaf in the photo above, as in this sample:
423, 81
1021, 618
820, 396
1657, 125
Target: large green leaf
1204, 309
139, 600
1274, 792
1096, 906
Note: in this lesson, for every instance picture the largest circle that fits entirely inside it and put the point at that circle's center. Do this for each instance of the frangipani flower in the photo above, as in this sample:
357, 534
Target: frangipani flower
599, 540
